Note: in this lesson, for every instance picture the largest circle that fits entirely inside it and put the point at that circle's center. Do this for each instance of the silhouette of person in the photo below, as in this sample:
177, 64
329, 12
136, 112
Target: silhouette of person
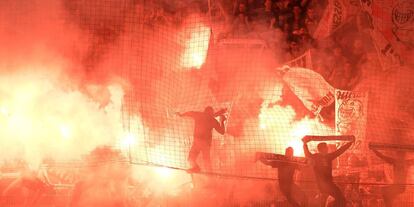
285, 172
204, 123
30, 181
400, 168
322, 167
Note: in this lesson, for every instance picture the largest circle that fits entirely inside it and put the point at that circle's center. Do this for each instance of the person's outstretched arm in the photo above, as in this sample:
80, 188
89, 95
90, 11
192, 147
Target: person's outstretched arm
306, 148
220, 128
264, 161
270, 163
342, 149
191, 114
383, 157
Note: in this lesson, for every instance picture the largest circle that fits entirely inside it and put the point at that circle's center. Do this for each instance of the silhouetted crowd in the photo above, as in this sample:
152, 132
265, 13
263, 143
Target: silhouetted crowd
288, 28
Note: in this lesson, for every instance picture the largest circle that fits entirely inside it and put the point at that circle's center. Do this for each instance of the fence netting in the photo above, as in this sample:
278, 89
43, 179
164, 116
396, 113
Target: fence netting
281, 69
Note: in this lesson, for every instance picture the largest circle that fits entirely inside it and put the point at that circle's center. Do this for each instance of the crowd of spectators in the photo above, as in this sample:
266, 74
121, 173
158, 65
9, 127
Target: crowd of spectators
291, 25
288, 28
292, 21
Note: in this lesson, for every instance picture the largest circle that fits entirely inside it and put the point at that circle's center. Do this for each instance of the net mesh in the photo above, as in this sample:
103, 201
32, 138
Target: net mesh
186, 65
265, 112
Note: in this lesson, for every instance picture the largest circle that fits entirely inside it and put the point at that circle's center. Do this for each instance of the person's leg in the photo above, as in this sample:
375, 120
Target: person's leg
286, 189
322, 196
340, 200
193, 154
206, 158
389, 193
301, 194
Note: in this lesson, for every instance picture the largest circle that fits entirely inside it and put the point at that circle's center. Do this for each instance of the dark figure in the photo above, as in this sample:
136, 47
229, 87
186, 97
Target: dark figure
285, 172
400, 168
33, 185
322, 168
204, 124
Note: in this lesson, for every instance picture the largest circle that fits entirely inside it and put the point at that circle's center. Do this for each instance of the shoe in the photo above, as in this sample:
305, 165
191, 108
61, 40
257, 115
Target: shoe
195, 169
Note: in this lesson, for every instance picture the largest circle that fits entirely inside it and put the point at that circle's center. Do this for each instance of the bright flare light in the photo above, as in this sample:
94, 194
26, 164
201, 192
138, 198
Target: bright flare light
302, 128
280, 129
4, 111
65, 132
196, 45
127, 140
297, 146
163, 172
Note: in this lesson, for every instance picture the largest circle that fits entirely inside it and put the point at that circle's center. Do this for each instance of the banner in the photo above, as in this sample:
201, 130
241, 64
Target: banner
387, 55
329, 138
322, 31
333, 17
351, 113
310, 87
303, 61
393, 22
280, 157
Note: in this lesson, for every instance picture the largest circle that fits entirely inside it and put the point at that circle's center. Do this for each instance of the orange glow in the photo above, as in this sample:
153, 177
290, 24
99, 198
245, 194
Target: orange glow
196, 45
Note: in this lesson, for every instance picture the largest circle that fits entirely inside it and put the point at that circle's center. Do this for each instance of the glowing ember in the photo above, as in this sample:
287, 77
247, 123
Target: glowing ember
196, 46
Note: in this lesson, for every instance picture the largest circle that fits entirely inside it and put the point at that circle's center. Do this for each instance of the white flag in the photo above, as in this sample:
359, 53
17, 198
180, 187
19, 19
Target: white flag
310, 87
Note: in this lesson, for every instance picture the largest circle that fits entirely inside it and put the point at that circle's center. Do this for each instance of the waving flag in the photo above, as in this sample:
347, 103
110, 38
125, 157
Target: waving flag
333, 17
392, 29
309, 86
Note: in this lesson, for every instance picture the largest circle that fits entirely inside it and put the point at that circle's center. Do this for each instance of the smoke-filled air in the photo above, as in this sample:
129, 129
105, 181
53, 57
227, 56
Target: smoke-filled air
206, 103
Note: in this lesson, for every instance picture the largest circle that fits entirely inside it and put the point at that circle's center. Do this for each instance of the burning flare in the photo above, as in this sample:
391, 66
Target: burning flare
196, 44
280, 128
